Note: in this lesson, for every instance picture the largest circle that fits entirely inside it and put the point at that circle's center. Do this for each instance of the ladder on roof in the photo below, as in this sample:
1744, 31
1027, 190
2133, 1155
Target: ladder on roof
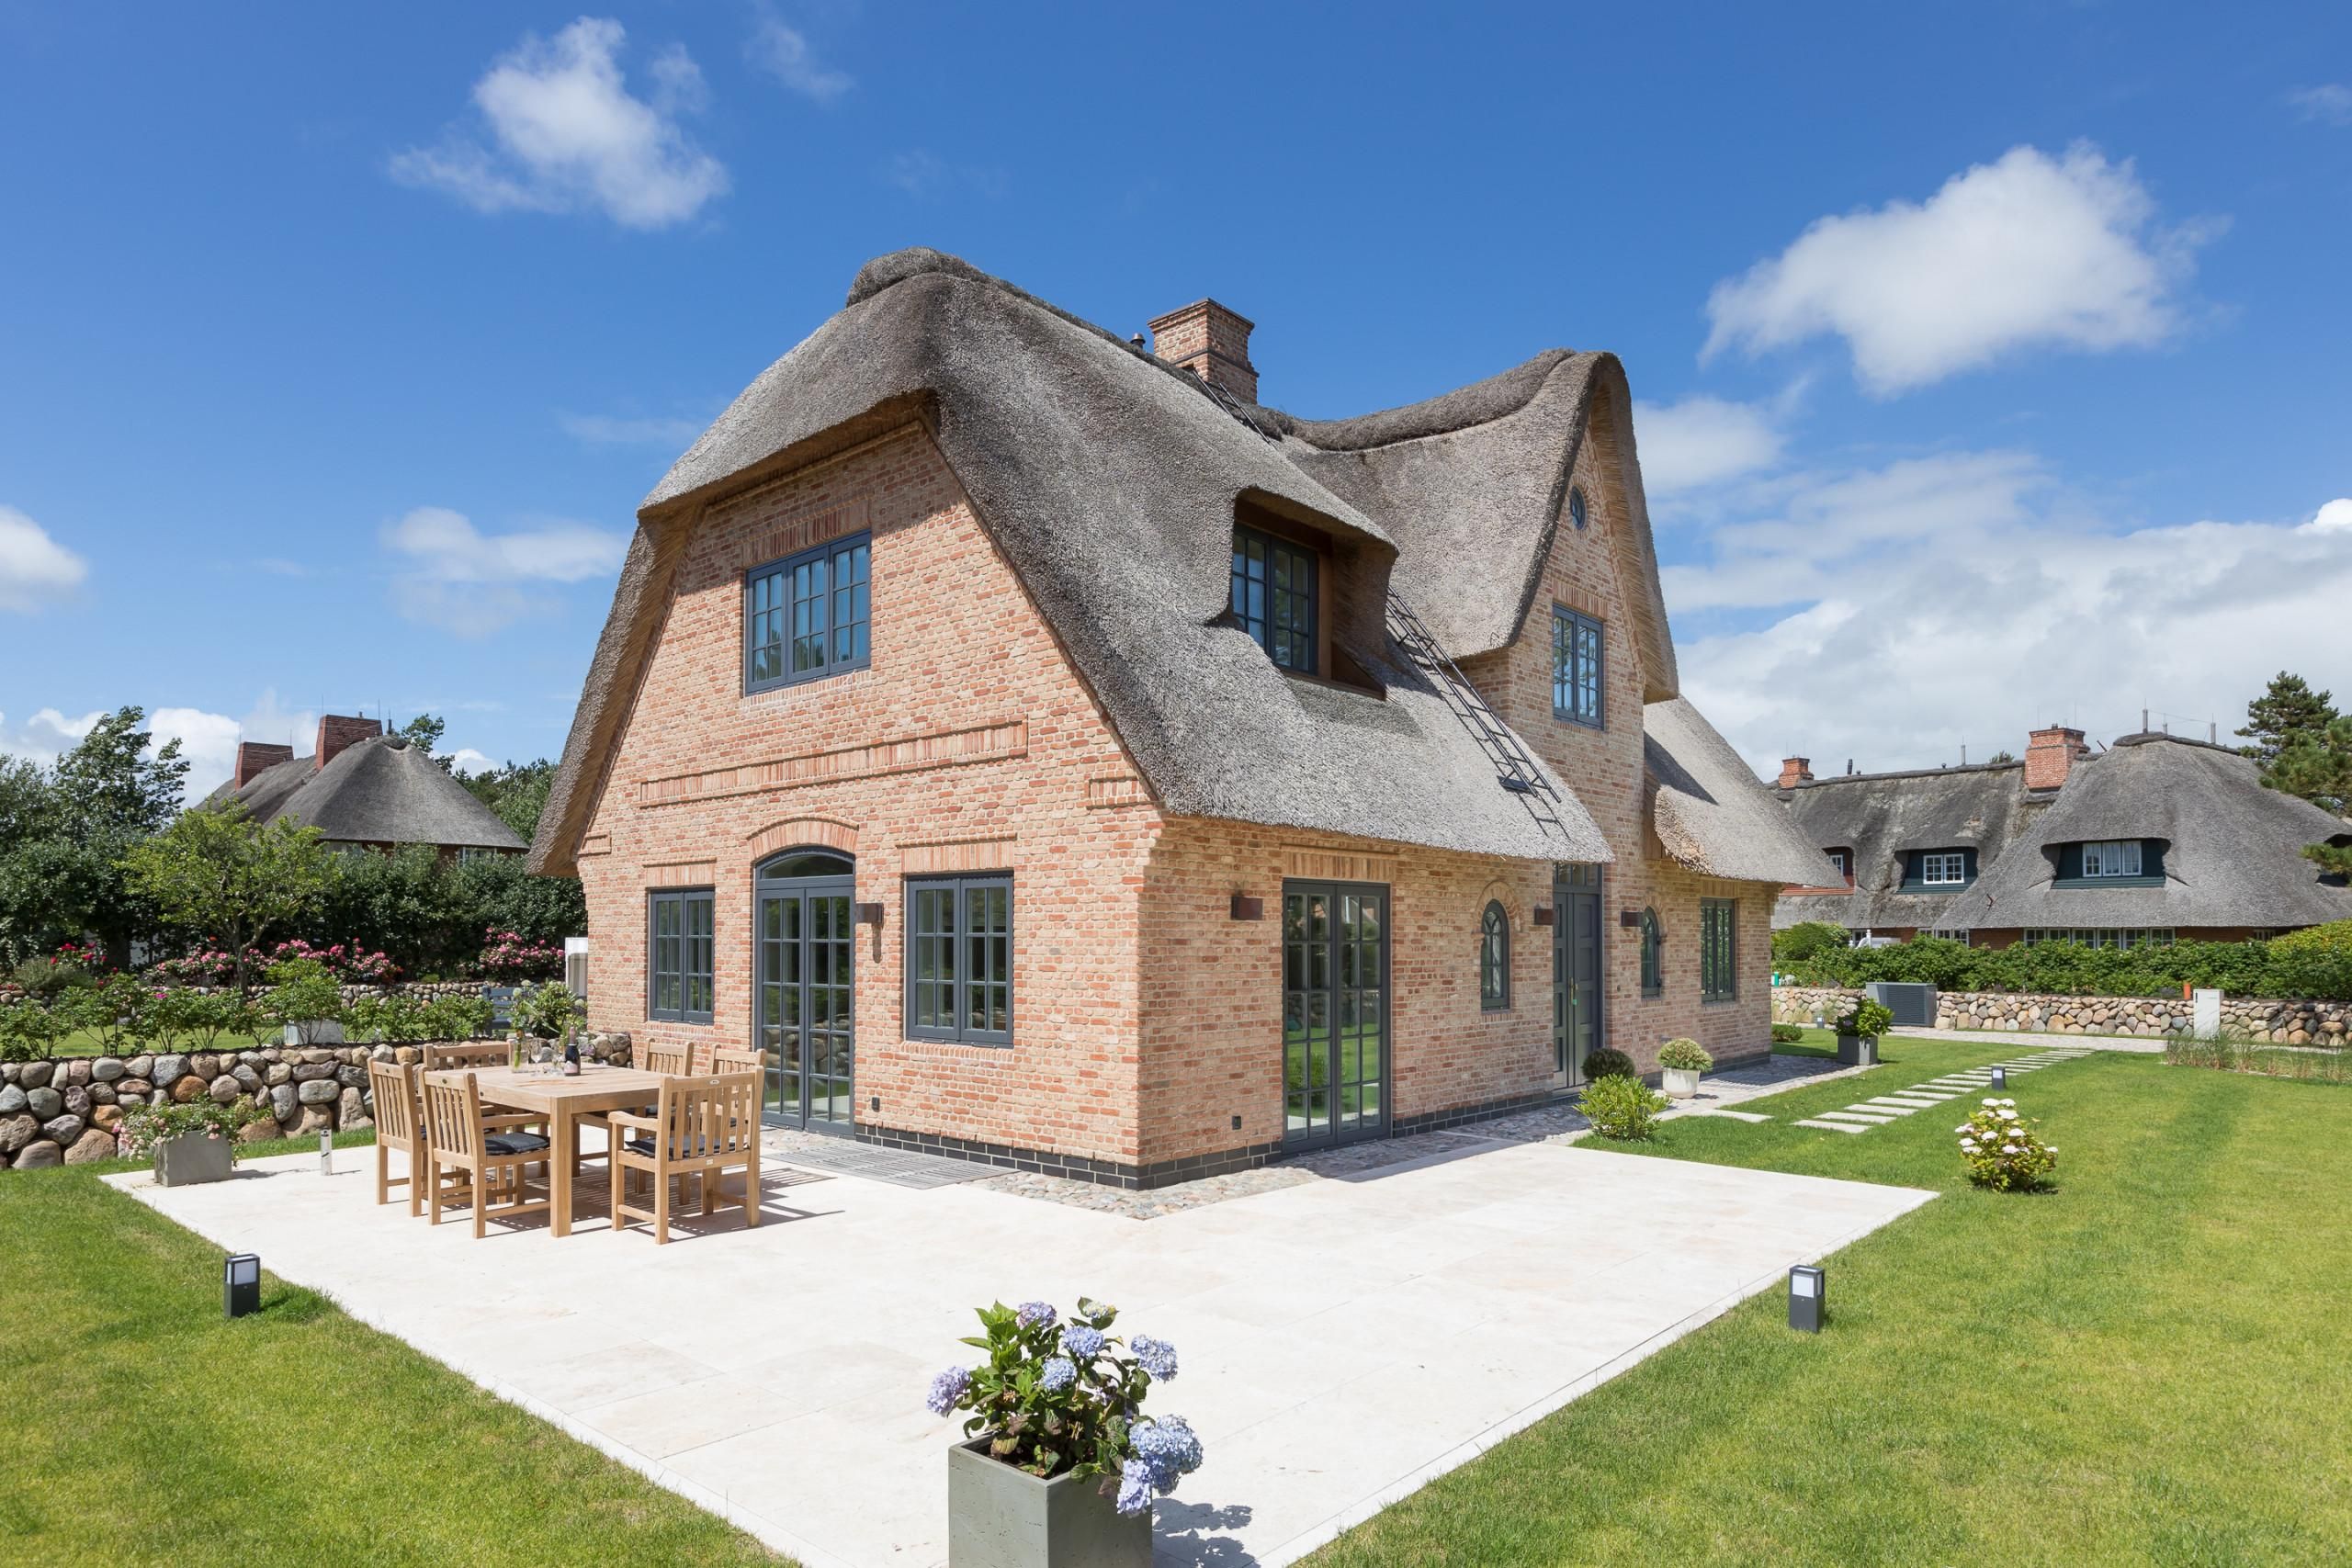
1514, 769
1235, 407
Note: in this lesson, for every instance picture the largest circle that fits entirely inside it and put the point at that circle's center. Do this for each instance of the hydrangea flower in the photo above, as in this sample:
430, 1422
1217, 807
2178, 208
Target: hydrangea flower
946, 1388
1081, 1341
1166, 1448
1031, 1314
1057, 1373
1157, 1355
1135, 1487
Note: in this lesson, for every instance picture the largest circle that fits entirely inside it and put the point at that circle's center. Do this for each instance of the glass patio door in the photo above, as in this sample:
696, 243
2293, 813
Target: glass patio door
1576, 971
1335, 1014
803, 1019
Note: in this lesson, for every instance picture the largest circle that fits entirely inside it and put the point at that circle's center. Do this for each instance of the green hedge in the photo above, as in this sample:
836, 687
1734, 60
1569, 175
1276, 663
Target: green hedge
2314, 963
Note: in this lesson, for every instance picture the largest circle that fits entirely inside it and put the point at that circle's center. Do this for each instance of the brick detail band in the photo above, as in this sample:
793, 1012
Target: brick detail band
1104, 793
682, 874
796, 533
970, 854
596, 844
1324, 865
914, 753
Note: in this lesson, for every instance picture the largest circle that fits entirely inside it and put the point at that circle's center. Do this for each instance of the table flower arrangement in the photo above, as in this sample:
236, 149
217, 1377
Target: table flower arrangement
1059, 1398
2001, 1150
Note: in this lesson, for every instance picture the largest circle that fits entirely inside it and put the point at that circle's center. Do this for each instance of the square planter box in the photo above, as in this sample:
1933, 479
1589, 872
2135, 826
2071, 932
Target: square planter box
1002, 1518
1680, 1083
317, 1032
1857, 1050
186, 1162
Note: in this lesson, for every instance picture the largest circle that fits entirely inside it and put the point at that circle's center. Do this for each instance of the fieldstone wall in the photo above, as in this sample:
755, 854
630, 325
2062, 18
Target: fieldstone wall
68, 1110
2290, 1021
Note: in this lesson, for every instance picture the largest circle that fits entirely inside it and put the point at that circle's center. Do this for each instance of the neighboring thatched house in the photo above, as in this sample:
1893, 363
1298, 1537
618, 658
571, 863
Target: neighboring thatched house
1050, 754
2157, 839
362, 787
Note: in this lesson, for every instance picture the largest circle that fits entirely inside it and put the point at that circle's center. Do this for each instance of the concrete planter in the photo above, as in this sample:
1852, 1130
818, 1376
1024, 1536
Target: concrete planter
1857, 1050
190, 1159
316, 1031
1679, 1083
1002, 1518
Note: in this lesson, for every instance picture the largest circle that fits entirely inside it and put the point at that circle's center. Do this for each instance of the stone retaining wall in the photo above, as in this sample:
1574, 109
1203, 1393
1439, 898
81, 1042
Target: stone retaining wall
2289, 1022
68, 1110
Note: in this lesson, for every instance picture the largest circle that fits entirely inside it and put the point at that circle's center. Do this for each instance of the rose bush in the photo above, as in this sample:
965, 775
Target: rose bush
2001, 1150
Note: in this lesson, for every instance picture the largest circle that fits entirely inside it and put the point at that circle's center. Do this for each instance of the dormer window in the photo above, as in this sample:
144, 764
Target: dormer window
1274, 597
2111, 857
1943, 868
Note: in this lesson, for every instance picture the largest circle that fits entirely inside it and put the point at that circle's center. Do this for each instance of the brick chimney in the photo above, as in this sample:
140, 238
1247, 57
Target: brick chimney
1210, 342
253, 756
1795, 770
2049, 755
337, 732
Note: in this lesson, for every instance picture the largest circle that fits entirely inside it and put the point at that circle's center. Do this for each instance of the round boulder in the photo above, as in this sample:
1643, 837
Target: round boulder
258, 1130
170, 1069
247, 1078
139, 1066
106, 1069
38, 1155
351, 1077
205, 1065
318, 1091
16, 1131
45, 1102
187, 1087
225, 1090
93, 1144
102, 1094
281, 1102
12, 1099
310, 1072
124, 1087
314, 1119
77, 1100
77, 1073
63, 1129
34, 1074
277, 1073
107, 1116
351, 1110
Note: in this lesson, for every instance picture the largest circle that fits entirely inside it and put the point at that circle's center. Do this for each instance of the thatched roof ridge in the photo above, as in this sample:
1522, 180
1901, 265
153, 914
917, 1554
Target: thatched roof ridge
1711, 813
377, 791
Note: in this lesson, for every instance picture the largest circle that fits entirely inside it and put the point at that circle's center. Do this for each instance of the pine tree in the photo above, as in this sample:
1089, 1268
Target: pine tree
2287, 710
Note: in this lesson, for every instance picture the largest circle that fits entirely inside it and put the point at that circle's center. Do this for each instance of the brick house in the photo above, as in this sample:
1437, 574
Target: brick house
1053, 756
364, 788
2154, 839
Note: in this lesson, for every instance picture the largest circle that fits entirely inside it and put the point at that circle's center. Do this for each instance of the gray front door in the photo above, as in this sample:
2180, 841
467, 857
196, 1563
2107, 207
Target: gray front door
1335, 1014
1576, 971
803, 1019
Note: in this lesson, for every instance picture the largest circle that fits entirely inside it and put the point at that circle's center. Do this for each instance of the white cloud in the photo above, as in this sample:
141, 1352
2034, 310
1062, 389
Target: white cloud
33, 566
2024, 252
467, 582
607, 430
2329, 102
784, 54
46, 736
208, 741
565, 135
1972, 597
465, 760
1703, 441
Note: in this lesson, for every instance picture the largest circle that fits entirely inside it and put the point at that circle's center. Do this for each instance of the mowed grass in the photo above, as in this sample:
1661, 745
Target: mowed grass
145, 1427
2152, 1364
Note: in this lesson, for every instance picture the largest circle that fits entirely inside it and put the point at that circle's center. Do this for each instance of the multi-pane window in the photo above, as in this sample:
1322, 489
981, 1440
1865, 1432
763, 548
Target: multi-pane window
1943, 868
1274, 597
1950, 934
1838, 858
1653, 955
2124, 938
809, 615
2111, 857
1494, 958
678, 961
1718, 949
959, 959
1576, 667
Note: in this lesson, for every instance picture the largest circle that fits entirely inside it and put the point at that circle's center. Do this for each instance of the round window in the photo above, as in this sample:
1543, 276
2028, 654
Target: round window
1576, 506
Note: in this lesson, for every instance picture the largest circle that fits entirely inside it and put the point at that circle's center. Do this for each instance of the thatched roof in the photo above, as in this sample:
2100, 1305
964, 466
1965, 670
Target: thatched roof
2232, 849
380, 791
1711, 813
1110, 482
1883, 816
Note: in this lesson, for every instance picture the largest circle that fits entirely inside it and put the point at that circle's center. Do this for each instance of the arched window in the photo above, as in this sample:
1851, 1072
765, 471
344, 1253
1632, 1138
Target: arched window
1494, 958
1653, 955
1576, 507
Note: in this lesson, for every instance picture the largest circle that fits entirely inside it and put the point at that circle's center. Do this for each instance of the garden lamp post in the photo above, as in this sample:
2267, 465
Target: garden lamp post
326, 1152
1808, 1294
241, 1284
2000, 1077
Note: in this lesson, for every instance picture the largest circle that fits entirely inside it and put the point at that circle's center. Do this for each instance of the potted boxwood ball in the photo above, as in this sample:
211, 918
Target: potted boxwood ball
1059, 1464
1858, 1033
1680, 1063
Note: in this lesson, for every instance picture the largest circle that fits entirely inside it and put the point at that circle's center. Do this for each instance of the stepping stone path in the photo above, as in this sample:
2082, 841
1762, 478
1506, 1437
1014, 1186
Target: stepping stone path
1896, 1104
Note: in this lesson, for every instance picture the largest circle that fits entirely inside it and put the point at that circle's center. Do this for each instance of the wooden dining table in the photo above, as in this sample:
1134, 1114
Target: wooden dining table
563, 1100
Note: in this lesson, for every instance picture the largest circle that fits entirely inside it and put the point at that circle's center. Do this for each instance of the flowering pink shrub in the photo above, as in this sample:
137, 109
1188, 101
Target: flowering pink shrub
506, 955
350, 965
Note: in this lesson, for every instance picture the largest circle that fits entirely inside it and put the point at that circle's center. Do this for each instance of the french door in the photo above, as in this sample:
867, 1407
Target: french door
1335, 1014
1576, 971
803, 1017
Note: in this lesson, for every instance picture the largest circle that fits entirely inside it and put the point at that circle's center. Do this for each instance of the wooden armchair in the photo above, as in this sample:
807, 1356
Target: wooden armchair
739, 1059
669, 1061
476, 1156
703, 1127
392, 1090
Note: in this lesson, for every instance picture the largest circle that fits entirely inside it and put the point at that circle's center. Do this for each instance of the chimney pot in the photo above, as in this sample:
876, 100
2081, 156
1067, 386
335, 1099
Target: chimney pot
338, 732
1795, 770
1210, 341
2049, 755
254, 756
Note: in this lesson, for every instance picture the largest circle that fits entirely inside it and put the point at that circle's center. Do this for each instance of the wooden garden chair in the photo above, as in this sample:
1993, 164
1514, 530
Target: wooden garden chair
669, 1061
478, 1157
738, 1059
392, 1090
446, 1056
703, 1127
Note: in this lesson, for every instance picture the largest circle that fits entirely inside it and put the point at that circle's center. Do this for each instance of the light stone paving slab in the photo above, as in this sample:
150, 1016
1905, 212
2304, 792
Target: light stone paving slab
1833, 1127
1876, 1118
1900, 1107
1734, 1115
1343, 1341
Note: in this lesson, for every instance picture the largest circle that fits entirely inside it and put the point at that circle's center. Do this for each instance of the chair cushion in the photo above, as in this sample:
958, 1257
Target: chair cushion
513, 1143
643, 1145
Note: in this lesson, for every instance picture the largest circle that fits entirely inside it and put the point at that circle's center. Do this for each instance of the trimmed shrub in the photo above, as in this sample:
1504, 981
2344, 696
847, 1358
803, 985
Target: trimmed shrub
1606, 1062
1807, 940
1685, 1055
1621, 1107
1787, 1033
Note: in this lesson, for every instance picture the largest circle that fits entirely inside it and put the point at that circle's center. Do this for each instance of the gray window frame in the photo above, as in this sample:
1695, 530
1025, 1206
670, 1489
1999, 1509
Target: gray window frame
1566, 624
962, 889
784, 568
685, 899
1261, 631
1494, 957
1718, 950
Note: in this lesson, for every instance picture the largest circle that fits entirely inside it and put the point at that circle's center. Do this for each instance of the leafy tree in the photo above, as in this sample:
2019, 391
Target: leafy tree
109, 789
1807, 939
424, 732
2004, 755
517, 792
2287, 710
2316, 766
63, 831
216, 873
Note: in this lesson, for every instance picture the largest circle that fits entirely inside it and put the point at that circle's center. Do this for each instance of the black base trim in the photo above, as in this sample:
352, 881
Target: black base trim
1072, 1168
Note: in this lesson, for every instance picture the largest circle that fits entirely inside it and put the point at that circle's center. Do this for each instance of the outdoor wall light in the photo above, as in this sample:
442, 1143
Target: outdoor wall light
1245, 908
1808, 1295
1542, 914
2000, 1077
241, 1284
869, 914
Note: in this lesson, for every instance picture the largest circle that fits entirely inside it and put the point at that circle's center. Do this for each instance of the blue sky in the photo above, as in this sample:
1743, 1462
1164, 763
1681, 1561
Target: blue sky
1993, 358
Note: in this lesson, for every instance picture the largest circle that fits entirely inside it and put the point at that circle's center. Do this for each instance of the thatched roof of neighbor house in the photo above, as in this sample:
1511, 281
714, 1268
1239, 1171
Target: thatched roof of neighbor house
1880, 817
377, 791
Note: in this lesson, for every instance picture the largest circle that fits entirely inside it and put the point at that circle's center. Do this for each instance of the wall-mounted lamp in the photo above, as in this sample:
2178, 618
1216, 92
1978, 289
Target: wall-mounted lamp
869, 914
1629, 919
241, 1284
1245, 908
1808, 1297
1542, 914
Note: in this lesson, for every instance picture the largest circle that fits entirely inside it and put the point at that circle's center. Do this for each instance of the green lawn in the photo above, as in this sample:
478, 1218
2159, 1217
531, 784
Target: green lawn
145, 1427
2146, 1366
86, 1042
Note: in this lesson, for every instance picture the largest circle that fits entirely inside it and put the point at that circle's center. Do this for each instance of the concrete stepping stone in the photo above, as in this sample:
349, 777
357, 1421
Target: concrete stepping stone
1734, 1115
1830, 1126
1876, 1118
1899, 1107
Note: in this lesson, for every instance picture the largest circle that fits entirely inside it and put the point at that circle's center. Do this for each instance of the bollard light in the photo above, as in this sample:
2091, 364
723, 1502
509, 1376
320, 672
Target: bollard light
326, 1152
1808, 1294
2000, 1077
241, 1284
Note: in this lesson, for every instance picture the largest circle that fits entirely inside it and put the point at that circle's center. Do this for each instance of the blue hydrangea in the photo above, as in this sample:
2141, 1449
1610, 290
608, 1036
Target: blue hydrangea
1168, 1448
946, 1388
1135, 1487
1057, 1373
1158, 1356
1031, 1314
1081, 1341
